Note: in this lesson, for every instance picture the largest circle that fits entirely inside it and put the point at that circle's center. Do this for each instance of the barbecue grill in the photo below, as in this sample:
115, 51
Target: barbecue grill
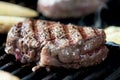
107, 70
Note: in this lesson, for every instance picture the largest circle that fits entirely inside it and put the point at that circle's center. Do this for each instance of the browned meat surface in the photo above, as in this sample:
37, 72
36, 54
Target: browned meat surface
69, 8
54, 44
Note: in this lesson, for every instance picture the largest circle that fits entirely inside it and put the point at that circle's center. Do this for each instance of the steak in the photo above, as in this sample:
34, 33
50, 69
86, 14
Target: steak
52, 44
69, 8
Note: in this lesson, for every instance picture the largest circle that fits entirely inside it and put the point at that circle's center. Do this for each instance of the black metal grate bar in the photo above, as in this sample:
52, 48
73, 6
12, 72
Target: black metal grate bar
38, 75
4, 59
29, 76
24, 71
6, 66
114, 75
2, 50
17, 71
97, 75
52, 76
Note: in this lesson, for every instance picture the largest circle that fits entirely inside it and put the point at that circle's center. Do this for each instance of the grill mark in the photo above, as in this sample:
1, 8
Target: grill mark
72, 41
48, 30
57, 31
88, 32
36, 31
34, 27
67, 33
100, 33
52, 35
82, 32
63, 30
95, 31
78, 36
19, 25
49, 25
75, 34
43, 32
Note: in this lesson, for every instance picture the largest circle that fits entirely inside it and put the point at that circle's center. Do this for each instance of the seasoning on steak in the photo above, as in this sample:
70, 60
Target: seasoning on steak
54, 44
69, 8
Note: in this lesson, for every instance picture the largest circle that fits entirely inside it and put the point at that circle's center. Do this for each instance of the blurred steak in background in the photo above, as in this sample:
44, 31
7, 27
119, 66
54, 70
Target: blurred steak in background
69, 8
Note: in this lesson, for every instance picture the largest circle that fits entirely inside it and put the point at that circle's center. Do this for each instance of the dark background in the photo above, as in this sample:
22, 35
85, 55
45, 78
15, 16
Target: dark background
109, 16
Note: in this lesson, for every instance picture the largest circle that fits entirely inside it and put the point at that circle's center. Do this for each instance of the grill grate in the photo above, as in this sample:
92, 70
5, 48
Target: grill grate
108, 69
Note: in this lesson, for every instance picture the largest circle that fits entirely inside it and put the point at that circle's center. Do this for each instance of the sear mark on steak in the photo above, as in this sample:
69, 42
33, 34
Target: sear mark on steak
54, 44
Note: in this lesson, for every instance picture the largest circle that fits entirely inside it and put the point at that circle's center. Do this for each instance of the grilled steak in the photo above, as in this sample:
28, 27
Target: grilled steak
54, 44
69, 8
